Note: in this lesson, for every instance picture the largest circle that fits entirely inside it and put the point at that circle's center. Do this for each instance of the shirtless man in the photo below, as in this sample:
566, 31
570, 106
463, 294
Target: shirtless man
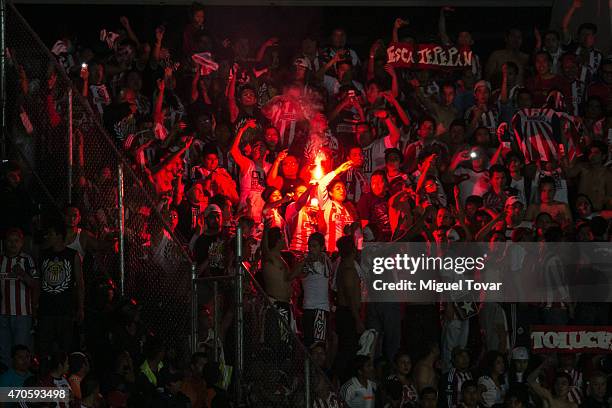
80, 239
348, 320
424, 372
558, 210
277, 275
559, 397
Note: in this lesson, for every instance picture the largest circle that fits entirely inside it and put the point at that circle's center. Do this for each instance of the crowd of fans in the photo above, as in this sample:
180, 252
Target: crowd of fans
312, 155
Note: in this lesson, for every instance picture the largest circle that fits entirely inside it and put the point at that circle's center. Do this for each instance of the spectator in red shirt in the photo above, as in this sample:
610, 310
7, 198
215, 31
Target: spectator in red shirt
545, 80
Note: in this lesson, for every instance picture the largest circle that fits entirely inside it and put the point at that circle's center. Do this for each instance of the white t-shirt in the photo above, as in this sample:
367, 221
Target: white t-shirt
358, 396
492, 394
374, 155
478, 183
252, 184
253, 180
519, 185
316, 285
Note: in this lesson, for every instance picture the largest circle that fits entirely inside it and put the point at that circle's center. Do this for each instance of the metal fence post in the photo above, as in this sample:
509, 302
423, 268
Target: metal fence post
307, 381
216, 318
239, 317
3, 141
70, 142
194, 309
121, 230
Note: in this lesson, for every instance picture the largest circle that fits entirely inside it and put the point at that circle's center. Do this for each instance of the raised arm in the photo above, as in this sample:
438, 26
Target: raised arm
270, 42
158, 114
399, 23
159, 36
394, 133
321, 72
273, 178
442, 25
423, 176
398, 108
538, 39
542, 392
322, 194
394, 84
371, 59
85, 77
128, 28
231, 94
567, 18
242, 161
484, 231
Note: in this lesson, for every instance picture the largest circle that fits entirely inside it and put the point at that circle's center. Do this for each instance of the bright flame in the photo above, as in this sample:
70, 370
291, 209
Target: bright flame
317, 173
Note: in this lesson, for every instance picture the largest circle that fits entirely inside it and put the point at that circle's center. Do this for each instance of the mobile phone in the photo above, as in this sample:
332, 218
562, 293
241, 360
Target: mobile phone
351, 93
84, 65
473, 155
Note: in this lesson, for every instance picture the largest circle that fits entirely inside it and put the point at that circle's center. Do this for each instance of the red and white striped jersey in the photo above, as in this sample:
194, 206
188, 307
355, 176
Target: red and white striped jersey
16, 296
336, 214
537, 133
302, 227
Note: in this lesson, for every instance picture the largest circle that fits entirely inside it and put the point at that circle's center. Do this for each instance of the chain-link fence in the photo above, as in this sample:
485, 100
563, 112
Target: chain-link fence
72, 159
62, 139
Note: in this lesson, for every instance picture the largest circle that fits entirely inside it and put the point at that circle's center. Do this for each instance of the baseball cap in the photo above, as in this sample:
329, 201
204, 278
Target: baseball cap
513, 200
520, 353
484, 83
212, 208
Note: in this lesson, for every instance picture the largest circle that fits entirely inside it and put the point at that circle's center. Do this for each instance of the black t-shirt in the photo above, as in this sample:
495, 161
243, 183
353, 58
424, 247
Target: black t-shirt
211, 248
57, 279
118, 121
591, 402
376, 210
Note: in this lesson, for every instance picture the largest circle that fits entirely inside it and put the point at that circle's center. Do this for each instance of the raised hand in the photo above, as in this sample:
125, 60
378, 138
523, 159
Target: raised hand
389, 69
283, 155
501, 131
344, 166
124, 22
399, 23
250, 124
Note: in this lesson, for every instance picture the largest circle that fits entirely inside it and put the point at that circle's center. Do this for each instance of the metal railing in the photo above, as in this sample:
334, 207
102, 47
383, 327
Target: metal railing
60, 137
